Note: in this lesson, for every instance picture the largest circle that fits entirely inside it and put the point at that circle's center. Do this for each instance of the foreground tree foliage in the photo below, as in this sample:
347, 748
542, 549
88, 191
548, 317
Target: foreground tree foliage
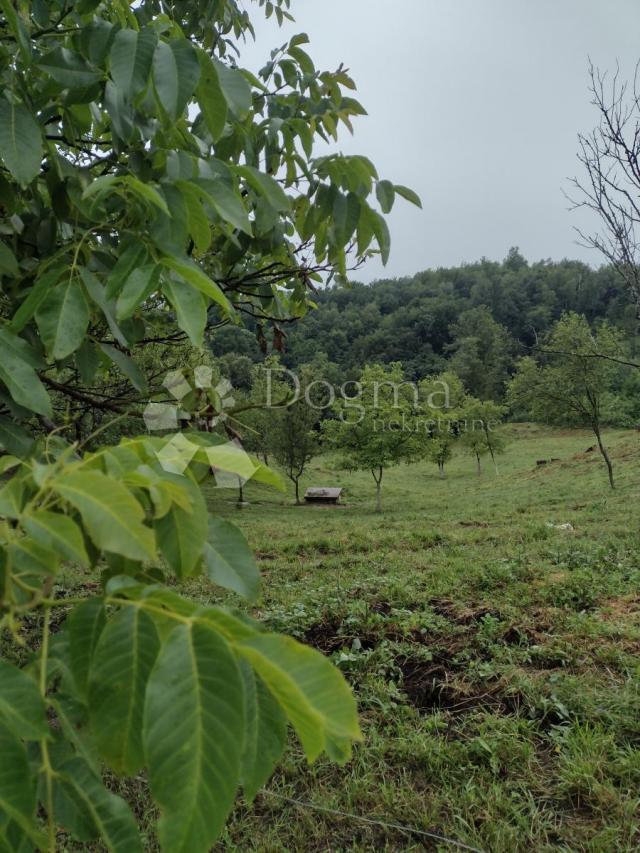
150, 191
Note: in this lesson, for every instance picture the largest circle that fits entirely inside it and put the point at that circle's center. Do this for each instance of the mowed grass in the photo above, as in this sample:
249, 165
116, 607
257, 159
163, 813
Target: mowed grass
494, 657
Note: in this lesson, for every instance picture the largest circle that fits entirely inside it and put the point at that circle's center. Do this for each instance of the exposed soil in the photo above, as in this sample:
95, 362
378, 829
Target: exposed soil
429, 686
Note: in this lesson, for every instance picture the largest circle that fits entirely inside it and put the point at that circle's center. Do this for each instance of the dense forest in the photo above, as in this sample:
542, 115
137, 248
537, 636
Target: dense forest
476, 318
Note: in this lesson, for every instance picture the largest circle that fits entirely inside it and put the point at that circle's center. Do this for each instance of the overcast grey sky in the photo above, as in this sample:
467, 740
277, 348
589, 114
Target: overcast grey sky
475, 104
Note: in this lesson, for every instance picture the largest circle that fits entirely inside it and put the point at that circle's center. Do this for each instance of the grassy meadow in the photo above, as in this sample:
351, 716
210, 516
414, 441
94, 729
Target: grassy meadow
494, 657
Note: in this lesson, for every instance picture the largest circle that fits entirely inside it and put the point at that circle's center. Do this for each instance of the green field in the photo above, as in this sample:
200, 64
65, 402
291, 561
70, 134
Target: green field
494, 657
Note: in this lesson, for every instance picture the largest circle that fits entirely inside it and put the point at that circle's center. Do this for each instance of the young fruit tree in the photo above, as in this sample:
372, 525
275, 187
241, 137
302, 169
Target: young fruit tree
479, 429
378, 426
441, 397
152, 190
291, 432
577, 370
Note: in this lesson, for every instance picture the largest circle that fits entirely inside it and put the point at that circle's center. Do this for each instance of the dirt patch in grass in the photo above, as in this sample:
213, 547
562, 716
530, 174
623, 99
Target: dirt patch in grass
432, 686
324, 636
461, 615
625, 608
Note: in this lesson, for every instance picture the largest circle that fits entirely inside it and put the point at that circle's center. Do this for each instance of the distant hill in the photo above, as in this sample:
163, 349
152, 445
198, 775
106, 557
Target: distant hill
492, 309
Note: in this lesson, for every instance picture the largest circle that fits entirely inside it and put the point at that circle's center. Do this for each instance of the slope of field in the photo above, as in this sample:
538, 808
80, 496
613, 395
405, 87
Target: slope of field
494, 654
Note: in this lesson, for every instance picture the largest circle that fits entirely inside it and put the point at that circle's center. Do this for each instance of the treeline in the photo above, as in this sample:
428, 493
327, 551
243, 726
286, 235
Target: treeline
476, 319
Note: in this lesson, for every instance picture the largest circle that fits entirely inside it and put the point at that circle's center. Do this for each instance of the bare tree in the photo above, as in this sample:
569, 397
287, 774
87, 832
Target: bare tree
610, 155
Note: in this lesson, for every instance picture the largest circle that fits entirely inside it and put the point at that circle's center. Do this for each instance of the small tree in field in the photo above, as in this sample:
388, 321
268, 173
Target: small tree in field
291, 432
376, 428
570, 386
441, 397
440, 449
257, 407
478, 422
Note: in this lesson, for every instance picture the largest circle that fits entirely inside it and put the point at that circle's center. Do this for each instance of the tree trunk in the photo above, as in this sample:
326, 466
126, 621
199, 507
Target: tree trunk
378, 480
297, 491
605, 455
478, 467
441, 470
240, 491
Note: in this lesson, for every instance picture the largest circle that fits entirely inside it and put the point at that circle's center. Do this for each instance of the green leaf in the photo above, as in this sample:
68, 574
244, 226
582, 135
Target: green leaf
122, 115
302, 58
265, 186
87, 361
8, 262
58, 533
28, 557
131, 57
17, 373
36, 294
191, 272
20, 141
313, 693
227, 204
21, 706
182, 533
190, 307
198, 223
12, 498
408, 194
14, 438
229, 561
235, 89
18, 30
111, 815
194, 729
385, 194
63, 318
140, 284
146, 193
112, 516
265, 734
171, 233
346, 212
17, 786
176, 71
99, 186
126, 364
96, 37
122, 662
381, 231
69, 68
7, 462
71, 811
84, 624
211, 97
130, 260
97, 293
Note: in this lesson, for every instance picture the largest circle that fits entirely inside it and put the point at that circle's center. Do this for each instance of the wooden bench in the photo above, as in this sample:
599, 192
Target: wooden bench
323, 495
